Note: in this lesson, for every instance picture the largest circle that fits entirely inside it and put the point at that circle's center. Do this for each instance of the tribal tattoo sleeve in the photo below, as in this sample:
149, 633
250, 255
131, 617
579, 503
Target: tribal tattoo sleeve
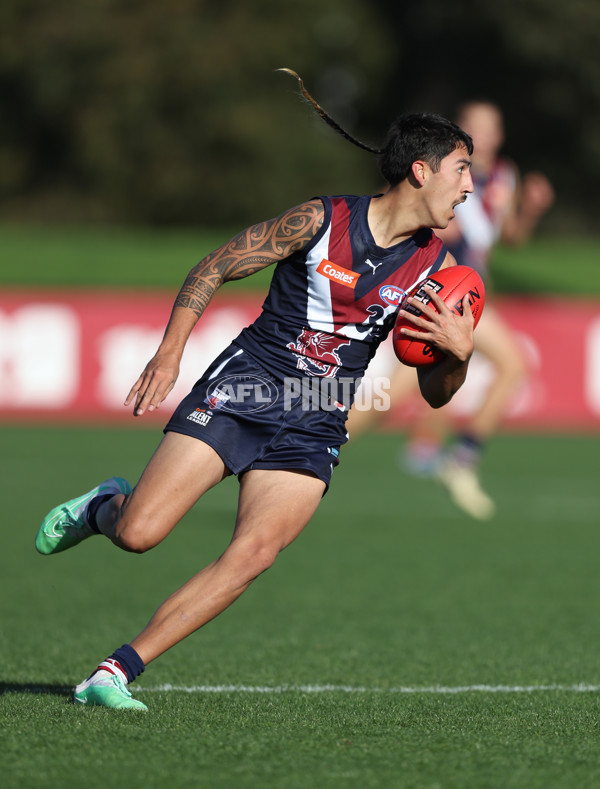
251, 250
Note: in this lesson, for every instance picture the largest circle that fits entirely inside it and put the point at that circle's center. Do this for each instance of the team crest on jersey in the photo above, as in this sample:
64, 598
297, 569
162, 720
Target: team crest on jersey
317, 352
392, 295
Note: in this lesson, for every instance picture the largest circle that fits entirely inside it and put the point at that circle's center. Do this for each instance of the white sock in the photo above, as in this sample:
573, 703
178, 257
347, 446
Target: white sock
111, 666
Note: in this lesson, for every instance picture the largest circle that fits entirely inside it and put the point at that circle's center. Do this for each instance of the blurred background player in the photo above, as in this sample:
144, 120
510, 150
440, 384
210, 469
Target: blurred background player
504, 208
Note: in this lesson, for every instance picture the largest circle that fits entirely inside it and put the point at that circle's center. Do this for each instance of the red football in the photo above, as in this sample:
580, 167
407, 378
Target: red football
452, 284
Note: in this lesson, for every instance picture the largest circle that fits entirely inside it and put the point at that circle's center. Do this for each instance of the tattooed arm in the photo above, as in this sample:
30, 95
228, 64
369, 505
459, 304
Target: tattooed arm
248, 252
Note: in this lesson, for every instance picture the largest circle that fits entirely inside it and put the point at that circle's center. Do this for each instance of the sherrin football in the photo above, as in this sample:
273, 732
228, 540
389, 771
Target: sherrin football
452, 285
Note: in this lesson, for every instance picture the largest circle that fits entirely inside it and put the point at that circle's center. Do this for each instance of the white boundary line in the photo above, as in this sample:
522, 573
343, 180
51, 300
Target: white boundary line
441, 690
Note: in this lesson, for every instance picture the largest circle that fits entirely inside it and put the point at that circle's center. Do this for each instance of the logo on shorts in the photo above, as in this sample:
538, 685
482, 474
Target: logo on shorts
201, 416
241, 394
217, 398
392, 295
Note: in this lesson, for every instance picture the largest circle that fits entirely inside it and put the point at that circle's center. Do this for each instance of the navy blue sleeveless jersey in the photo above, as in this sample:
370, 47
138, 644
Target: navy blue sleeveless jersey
328, 308
331, 304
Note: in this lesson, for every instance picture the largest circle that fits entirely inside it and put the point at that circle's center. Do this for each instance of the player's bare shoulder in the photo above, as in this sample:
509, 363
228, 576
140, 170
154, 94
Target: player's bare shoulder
297, 226
449, 261
269, 242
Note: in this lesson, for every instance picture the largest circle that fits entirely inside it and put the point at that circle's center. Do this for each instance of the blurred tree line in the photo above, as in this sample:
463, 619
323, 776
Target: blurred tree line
173, 113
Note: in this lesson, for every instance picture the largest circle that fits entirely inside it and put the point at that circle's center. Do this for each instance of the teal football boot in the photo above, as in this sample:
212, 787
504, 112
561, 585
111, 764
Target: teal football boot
66, 525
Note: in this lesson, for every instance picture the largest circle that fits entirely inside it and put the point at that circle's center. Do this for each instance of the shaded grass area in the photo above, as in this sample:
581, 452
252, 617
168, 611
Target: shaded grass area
38, 256
108, 257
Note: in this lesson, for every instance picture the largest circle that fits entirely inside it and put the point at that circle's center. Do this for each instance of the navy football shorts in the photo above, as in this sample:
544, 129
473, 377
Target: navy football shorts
255, 421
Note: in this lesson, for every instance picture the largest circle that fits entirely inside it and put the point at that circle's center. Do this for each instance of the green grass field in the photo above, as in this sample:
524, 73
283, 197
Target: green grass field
392, 598
74, 257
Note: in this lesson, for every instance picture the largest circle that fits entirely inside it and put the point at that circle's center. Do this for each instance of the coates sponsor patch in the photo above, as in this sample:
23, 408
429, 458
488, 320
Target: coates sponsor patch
392, 295
337, 273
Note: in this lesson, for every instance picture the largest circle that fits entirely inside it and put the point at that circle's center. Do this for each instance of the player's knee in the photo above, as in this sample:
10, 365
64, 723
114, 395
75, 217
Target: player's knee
265, 558
255, 556
513, 368
133, 537
518, 369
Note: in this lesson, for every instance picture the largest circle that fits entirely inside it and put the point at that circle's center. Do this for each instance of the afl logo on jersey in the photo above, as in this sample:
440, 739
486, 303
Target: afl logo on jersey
392, 295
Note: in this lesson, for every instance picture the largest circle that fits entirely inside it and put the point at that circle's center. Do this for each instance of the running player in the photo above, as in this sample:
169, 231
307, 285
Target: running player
272, 408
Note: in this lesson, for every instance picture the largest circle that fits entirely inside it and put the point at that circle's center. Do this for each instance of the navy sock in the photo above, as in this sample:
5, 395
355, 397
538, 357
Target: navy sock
468, 449
129, 660
93, 508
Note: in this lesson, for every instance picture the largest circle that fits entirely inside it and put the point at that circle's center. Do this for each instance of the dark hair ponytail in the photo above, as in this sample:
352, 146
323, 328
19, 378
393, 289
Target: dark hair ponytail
410, 137
326, 117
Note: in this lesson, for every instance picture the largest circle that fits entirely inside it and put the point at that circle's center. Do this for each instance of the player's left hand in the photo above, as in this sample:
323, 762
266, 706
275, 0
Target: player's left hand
442, 327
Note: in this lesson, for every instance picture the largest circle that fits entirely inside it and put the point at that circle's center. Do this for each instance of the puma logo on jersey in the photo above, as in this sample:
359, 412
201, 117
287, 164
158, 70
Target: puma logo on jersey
338, 274
374, 266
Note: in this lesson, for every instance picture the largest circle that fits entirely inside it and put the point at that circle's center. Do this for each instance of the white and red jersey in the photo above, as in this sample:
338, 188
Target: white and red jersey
482, 217
331, 304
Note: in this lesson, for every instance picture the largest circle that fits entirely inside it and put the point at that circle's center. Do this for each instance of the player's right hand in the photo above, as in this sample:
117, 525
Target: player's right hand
154, 384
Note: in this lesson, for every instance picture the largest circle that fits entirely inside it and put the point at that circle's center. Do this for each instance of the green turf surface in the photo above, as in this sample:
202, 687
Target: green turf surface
73, 257
109, 257
388, 588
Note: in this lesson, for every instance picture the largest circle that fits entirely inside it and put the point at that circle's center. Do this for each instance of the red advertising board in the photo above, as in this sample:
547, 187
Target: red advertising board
75, 355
